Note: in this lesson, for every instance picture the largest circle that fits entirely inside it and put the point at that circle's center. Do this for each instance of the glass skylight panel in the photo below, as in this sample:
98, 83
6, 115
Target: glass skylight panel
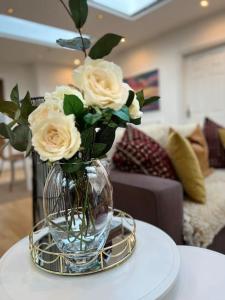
126, 7
28, 31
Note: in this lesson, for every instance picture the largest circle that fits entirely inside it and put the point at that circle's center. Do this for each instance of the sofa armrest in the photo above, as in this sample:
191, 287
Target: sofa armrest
151, 199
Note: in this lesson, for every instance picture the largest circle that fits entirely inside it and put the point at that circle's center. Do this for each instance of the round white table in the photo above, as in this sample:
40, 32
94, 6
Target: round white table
148, 274
201, 277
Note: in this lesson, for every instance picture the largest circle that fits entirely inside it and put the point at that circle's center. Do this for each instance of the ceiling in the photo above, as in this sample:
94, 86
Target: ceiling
172, 15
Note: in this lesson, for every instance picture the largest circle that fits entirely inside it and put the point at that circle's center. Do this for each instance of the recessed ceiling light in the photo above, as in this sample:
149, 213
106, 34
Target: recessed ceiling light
10, 10
76, 62
123, 40
99, 16
204, 3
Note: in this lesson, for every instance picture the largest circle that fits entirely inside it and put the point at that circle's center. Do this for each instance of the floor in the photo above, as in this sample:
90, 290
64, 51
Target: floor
15, 210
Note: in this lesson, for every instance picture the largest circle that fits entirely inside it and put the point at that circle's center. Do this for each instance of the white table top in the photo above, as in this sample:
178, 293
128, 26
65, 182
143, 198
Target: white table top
202, 275
148, 274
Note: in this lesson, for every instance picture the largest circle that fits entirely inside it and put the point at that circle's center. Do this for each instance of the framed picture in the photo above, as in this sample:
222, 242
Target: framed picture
149, 82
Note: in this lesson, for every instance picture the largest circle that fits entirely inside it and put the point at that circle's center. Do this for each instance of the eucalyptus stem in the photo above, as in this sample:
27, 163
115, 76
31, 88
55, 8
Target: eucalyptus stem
82, 40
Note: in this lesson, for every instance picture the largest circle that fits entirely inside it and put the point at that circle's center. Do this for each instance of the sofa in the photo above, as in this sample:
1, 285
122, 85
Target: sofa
162, 202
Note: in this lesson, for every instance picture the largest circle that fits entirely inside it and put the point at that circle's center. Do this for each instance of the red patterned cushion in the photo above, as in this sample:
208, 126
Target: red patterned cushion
139, 153
216, 150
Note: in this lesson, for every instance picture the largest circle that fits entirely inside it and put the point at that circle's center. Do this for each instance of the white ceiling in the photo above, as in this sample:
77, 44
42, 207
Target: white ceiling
173, 14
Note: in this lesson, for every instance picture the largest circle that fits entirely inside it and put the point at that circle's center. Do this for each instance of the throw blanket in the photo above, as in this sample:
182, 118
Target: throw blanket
202, 222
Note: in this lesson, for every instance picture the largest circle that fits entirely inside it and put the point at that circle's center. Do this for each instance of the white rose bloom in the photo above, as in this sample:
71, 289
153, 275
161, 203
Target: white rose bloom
56, 137
62, 90
102, 84
134, 109
43, 110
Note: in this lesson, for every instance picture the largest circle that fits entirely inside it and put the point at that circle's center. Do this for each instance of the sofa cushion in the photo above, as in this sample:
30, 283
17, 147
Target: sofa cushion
200, 147
216, 150
187, 166
139, 153
203, 222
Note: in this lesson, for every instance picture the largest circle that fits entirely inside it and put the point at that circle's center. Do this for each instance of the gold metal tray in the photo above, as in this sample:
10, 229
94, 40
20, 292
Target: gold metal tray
119, 247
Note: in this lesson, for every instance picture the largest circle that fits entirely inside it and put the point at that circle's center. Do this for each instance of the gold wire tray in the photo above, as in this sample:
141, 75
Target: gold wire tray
119, 247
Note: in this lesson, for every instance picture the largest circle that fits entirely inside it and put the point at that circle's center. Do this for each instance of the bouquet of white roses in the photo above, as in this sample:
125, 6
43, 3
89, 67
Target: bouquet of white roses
76, 123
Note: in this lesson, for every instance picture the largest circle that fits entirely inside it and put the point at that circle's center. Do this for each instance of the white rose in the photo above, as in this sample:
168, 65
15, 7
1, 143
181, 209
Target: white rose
102, 84
56, 137
134, 109
62, 90
43, 110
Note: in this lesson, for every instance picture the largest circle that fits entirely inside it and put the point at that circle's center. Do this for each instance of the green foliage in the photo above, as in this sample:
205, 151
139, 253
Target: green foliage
122, 114
98, 150
136, 121
14, 96
8, 108
5, 131
73, 105
151, 100
141, 98
79, 12
104, 45
106, 135
20, 138
130, 98
26, 109
92, 119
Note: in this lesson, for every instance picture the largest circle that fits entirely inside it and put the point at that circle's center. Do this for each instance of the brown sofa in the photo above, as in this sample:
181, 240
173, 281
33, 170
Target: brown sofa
156, 201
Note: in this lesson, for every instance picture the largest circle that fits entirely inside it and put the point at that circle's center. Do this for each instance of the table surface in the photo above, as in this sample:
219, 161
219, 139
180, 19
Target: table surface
149, 273
201, 276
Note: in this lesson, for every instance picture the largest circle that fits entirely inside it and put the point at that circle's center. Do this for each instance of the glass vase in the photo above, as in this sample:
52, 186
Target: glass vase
78, 208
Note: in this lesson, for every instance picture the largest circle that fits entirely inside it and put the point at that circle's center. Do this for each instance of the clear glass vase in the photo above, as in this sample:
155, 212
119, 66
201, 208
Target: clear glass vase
78, 208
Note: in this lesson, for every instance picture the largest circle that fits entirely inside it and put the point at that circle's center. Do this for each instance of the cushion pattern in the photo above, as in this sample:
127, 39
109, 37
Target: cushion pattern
216, 150
141, 154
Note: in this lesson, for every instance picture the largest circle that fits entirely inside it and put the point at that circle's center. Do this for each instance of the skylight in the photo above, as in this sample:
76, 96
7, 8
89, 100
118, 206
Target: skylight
128, 8
28, 31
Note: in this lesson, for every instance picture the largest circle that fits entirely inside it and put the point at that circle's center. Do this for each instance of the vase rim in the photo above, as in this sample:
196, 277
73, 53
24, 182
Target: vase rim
77, 162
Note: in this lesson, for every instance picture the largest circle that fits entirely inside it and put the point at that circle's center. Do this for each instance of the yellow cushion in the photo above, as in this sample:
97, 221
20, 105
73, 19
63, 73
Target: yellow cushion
222, 136
187, 167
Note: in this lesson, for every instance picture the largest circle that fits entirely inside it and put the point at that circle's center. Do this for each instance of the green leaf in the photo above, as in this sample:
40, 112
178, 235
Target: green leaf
104, 45
91, 119
122, 114
76, 43
26, 108
141, 98
136, 121
106, 135
87, 140
79, 12
130, 98
20, 137
98, 150
29, 144
9, 108
151, 100
72, 166
5, 131
73, 105
14, 96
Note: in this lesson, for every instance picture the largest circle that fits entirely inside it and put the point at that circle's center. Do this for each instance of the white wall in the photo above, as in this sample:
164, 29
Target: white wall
166, 53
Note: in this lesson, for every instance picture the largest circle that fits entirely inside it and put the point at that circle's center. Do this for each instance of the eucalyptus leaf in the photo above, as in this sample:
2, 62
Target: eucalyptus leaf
122, 114
72, 166
130, 98
106, 135
91, 119
6, 131
14, 96
79, 12
20, 138
136, 121
9, 108
26, 108
98, 150
73, 105
104, 45
75, 43
151, 100
29, 144
87, 141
